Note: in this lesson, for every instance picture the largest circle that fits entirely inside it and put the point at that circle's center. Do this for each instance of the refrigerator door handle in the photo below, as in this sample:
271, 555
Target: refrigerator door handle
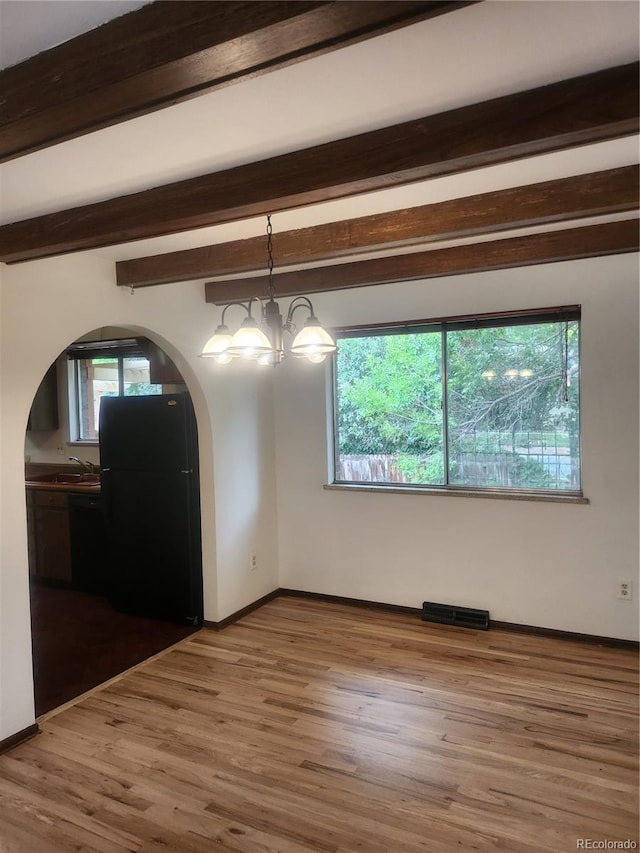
187, 471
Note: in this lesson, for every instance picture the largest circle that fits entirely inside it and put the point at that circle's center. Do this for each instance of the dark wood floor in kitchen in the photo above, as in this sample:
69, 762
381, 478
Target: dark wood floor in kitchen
80, 641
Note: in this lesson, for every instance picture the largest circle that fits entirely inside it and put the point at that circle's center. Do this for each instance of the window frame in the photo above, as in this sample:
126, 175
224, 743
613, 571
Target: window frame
442, 325
119, 349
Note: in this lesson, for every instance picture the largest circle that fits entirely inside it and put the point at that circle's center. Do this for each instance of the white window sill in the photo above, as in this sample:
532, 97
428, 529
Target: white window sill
492, 494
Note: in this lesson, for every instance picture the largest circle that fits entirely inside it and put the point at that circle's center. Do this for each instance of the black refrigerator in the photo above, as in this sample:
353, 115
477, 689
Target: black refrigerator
151, 499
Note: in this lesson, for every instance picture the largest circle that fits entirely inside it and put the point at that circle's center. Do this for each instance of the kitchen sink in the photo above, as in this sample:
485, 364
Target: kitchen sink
68, 479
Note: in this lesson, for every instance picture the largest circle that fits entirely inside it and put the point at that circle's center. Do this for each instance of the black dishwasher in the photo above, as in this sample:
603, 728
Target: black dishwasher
88, 543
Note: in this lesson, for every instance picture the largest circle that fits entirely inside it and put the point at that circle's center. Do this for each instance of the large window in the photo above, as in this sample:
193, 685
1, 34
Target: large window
103, 369
490, 402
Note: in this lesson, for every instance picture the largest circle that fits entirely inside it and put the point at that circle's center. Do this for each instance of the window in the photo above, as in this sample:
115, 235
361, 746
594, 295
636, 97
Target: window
490, 402
103, 369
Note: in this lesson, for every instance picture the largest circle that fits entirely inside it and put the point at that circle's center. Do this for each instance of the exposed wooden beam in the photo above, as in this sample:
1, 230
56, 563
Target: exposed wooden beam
169, 51
582, 110
611, 191
548, 247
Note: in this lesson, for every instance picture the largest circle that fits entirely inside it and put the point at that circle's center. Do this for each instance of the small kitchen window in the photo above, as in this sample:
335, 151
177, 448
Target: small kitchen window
100, 369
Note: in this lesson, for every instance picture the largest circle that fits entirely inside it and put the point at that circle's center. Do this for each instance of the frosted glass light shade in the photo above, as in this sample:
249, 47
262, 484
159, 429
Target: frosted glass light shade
217, 345
249, 341
312, 340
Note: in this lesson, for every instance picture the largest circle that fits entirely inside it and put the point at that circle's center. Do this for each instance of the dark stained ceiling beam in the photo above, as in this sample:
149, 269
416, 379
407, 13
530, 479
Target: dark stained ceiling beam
548, 247
170, 51
611, 191
598, 106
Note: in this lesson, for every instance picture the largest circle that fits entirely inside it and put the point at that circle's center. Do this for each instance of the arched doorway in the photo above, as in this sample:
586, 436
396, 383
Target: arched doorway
90, 621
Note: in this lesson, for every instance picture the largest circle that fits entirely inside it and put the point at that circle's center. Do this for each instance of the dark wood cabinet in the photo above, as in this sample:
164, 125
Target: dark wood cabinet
31, 532
50, 541
44, 409
162, 370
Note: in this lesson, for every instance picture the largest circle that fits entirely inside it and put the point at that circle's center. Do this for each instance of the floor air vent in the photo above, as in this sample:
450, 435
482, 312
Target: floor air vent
449, 614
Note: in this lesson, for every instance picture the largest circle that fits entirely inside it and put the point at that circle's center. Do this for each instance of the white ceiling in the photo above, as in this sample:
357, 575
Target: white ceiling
473, 54
28, 27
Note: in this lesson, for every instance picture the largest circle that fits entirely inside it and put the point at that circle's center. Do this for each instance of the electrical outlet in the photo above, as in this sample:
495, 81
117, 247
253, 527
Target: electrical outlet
60, 450
624, 590
253, 563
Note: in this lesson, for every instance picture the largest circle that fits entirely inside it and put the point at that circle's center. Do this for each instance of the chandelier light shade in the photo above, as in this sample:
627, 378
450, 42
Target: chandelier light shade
249, 341
263, 342
312, 340
218, 344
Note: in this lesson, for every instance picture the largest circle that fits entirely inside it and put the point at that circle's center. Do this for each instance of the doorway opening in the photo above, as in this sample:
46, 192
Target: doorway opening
109, 551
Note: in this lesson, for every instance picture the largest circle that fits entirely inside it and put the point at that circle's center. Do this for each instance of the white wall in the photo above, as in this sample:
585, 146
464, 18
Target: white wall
44, 306
533, 563
16, 685
244, 455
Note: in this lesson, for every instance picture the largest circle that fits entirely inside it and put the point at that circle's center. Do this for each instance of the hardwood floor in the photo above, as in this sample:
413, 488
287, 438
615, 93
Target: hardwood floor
309, 726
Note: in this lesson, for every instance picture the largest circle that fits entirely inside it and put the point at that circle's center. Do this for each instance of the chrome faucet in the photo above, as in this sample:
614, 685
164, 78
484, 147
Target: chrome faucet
88, 466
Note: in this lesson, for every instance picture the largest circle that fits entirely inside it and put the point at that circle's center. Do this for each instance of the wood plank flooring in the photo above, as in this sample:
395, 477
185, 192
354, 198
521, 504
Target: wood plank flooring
312, 727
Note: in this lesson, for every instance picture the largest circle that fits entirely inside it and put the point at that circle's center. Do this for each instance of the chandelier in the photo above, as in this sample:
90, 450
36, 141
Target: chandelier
263, 341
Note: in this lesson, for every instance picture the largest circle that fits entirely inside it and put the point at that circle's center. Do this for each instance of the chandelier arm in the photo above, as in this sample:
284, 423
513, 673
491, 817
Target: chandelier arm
260, 303
299, 302
245, 305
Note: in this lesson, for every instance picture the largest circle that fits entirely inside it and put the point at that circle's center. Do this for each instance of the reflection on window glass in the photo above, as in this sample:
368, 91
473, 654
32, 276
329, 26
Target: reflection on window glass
470, 404
512, 397
136, 378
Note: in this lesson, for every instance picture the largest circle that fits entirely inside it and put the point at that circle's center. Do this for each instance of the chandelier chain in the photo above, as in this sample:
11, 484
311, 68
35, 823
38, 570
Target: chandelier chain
270, 255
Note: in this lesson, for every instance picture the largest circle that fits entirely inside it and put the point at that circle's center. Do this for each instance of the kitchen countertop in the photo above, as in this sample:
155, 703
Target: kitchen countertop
83, 485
